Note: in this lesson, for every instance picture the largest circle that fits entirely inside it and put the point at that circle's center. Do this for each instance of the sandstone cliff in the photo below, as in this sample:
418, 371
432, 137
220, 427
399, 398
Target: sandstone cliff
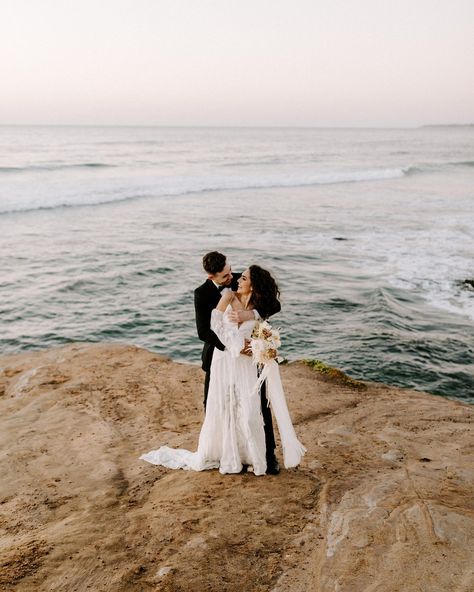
383, 501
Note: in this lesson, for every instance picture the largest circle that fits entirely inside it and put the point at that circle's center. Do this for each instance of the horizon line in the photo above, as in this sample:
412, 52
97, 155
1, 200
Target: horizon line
226, 126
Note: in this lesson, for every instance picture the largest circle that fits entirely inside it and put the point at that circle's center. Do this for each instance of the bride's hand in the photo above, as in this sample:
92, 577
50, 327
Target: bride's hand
227, 297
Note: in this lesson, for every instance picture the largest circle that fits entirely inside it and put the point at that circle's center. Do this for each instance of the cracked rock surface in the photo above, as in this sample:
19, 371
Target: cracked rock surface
383, 501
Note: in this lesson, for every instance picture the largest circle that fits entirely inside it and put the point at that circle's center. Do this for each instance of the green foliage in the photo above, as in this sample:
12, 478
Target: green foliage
334, 373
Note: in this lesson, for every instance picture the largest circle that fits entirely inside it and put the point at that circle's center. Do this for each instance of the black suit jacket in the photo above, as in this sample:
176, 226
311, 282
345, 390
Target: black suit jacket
206, 298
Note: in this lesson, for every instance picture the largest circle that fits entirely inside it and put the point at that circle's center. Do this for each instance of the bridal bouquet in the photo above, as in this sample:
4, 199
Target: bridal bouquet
264, 343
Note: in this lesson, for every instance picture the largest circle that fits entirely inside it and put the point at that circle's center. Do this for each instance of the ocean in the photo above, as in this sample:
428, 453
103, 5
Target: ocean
369, 232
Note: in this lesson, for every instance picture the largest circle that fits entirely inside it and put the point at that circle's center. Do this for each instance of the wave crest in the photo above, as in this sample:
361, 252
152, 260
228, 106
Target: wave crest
180, 186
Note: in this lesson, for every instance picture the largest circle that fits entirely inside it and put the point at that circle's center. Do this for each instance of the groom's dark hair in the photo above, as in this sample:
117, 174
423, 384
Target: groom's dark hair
213, 262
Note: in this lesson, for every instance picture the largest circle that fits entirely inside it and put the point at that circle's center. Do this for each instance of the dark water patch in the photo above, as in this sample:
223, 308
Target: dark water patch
388, 336
457, 385
391, 301
340, 304
436, 167
467, 284
56, 167
394, 364
413, 170
466, 163
81, 286
137, 323
153, 271
28, 343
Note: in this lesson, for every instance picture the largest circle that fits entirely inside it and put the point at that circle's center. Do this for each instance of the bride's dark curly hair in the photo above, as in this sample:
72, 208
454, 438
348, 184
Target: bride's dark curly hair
265, 292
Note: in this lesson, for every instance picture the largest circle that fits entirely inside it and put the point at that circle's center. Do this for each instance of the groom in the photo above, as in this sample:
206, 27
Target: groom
206, 298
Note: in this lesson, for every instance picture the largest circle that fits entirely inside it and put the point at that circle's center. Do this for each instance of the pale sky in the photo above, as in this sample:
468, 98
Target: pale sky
237, 62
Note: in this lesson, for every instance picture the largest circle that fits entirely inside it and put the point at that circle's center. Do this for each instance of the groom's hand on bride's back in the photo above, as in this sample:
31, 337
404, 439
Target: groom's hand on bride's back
239, 316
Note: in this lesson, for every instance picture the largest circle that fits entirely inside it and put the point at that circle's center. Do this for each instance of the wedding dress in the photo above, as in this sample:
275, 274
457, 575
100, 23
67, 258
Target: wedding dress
232, 433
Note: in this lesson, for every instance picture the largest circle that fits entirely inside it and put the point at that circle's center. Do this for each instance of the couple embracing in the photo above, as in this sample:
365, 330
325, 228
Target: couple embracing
237, 432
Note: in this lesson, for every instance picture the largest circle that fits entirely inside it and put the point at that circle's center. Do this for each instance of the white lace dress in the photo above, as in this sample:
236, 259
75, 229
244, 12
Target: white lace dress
233, 433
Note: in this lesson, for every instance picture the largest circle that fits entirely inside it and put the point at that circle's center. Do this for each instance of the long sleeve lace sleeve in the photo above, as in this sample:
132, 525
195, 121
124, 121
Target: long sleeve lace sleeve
227, 332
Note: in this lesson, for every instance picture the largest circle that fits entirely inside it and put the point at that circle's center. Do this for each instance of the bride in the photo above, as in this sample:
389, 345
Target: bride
232, 434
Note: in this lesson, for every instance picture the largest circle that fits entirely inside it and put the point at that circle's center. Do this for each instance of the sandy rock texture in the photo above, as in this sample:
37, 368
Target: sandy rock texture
383, 502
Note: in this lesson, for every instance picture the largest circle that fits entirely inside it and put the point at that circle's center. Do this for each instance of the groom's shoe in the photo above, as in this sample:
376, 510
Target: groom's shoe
273, 468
